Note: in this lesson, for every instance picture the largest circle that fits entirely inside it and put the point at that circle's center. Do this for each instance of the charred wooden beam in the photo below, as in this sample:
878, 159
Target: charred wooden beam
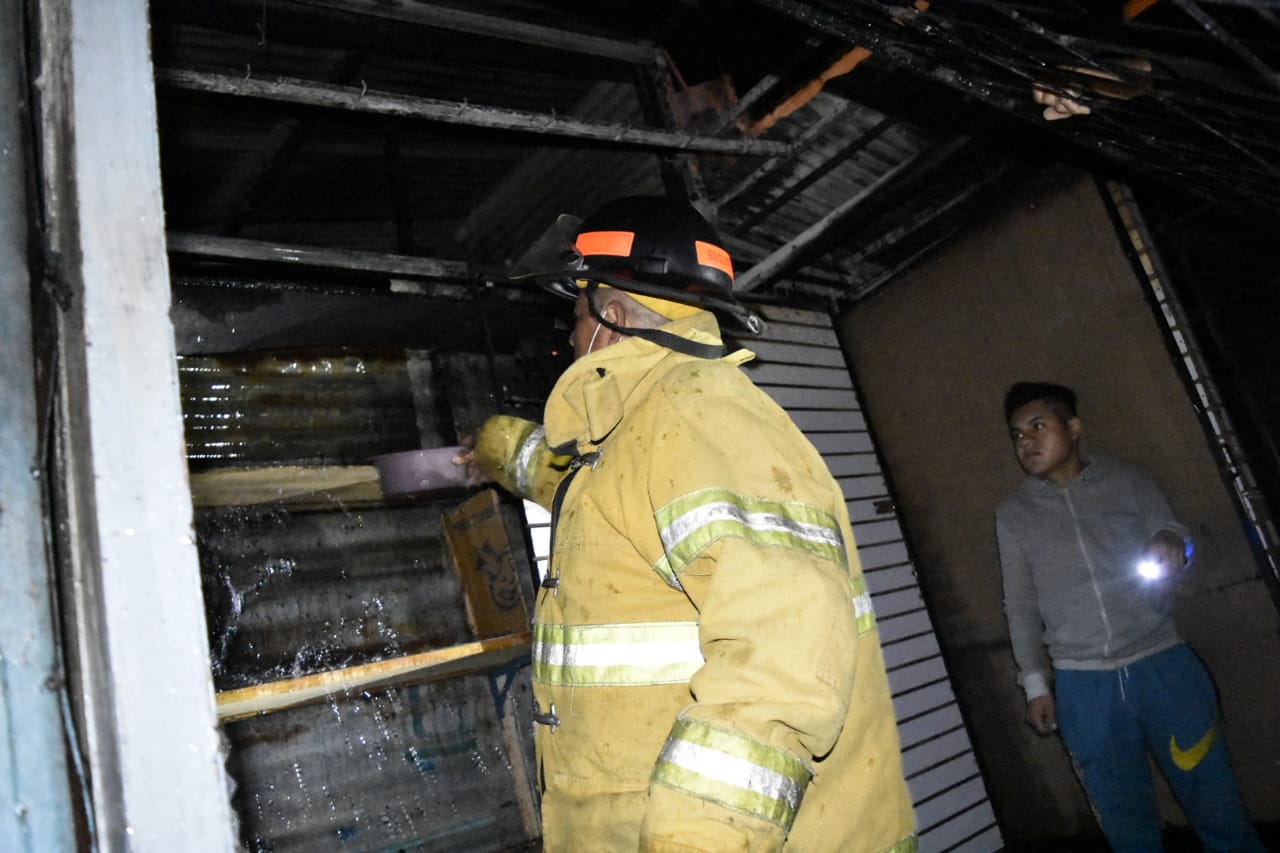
777, 165
1229, 41
507, 28
798, 186
310, 256
451, 112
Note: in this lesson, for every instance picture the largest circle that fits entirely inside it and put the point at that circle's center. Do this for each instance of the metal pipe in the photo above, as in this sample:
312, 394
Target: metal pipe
474, 23
310, 256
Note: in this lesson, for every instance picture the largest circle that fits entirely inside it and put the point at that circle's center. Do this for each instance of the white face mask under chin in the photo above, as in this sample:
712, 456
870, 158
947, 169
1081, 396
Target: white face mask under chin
593, 340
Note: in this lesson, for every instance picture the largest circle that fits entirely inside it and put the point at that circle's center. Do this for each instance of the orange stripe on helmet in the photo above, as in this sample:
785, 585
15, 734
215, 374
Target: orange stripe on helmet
617, 243
711, 255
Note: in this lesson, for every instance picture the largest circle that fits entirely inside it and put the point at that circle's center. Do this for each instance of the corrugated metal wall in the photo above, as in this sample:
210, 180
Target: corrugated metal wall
311, 407
801, 365
330, 583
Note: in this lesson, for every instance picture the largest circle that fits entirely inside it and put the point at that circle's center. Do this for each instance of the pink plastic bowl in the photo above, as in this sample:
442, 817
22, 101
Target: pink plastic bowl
426, 470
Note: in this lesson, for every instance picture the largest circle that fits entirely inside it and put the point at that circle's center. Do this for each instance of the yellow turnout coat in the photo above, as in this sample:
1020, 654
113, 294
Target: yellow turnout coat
706, 661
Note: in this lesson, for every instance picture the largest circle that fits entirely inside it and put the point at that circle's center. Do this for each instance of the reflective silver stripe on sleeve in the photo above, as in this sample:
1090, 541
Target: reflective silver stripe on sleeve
526, 458
733, 770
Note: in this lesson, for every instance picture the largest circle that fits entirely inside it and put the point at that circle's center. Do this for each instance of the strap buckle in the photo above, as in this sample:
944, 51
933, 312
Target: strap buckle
548, 719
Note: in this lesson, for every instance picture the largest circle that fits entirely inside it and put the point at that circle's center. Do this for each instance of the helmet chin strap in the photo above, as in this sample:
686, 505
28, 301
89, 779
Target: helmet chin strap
655, 336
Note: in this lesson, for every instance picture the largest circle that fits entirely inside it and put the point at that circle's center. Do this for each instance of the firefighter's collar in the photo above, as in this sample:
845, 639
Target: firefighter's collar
590, 398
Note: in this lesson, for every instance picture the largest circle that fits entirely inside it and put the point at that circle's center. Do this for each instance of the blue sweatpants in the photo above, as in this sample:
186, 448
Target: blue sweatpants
1164, 704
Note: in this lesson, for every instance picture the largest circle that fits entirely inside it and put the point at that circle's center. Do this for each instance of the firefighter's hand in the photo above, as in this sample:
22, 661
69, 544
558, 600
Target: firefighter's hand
466, 457
1042, 714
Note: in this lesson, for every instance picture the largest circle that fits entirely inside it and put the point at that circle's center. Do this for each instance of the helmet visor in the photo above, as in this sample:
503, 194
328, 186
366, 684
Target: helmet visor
552, 260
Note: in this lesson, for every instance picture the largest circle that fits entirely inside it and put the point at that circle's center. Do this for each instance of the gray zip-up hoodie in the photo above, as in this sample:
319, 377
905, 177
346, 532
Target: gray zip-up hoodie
1069, 555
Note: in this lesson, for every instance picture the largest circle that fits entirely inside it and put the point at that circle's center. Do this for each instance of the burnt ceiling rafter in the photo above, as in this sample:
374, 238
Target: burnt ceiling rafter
1235, 45
509, 28
931, 214
233, 248
355, 99
252, 174
993, 52
467, 128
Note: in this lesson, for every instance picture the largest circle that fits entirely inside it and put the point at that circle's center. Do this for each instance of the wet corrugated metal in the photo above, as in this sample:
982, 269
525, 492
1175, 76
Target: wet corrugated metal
416, 768
290, 593
292, 590
312, 408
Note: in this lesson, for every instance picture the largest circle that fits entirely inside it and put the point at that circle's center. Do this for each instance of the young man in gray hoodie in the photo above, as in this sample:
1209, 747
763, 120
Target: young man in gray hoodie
1088, 551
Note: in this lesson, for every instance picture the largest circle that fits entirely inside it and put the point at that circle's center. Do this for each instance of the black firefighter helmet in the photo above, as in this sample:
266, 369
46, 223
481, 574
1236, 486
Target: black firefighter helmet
645, 245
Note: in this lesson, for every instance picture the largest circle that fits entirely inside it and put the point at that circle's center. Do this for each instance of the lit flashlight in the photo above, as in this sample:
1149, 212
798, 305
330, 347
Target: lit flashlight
1150, 569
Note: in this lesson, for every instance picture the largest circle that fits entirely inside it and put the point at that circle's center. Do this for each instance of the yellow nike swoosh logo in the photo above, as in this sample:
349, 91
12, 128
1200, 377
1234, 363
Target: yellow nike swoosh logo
1187, 759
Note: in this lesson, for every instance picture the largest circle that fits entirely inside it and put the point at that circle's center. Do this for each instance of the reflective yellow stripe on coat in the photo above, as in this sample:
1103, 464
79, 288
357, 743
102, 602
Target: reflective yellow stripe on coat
862, 609
691, 523
735, 771
625, 655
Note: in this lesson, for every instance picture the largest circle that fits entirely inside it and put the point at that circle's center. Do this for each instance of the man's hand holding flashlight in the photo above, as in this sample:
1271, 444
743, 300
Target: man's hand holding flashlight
1164, 557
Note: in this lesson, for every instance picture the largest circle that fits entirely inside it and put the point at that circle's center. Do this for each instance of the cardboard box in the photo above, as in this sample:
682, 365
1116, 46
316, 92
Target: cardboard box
486, 565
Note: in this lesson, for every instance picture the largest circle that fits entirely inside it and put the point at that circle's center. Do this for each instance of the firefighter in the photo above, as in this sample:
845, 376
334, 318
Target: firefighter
706, 664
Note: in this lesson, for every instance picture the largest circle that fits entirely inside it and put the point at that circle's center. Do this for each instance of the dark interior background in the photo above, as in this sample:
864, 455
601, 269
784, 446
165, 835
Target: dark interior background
359, 174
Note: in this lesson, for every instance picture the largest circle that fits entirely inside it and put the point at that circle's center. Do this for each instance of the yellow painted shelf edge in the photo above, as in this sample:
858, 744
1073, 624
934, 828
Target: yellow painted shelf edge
437, 663
319, 485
